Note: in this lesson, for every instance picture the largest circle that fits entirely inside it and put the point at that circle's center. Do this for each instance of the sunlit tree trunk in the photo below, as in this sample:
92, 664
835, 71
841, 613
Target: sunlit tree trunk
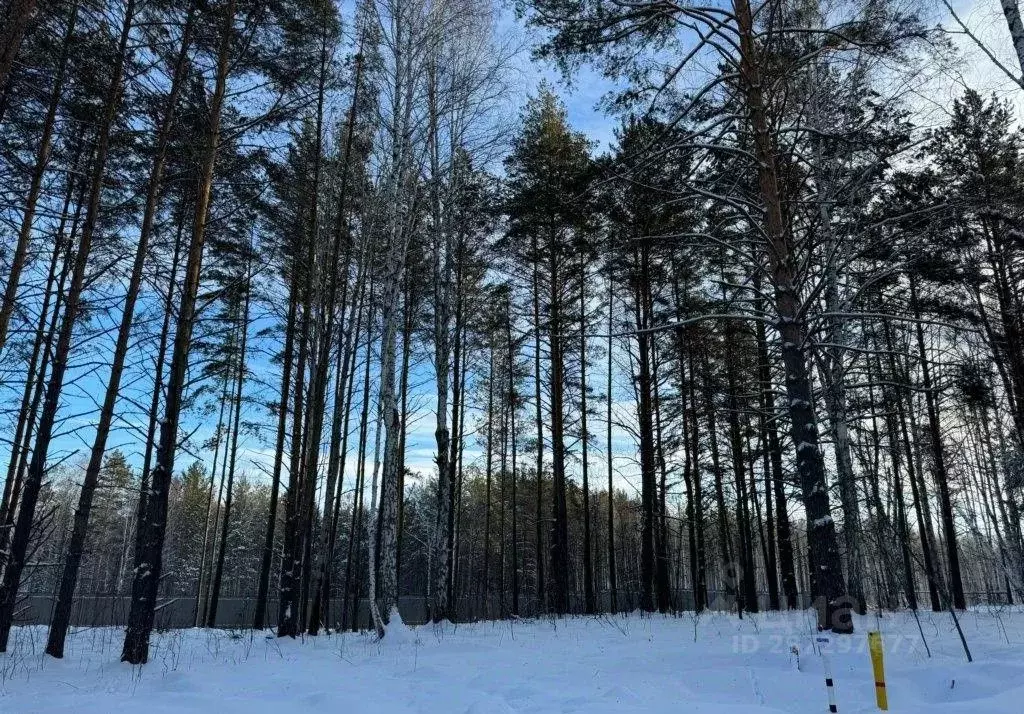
153, 524
76, 545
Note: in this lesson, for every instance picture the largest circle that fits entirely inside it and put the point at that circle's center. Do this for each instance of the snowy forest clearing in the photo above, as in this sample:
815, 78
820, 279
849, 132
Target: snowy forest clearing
714, 663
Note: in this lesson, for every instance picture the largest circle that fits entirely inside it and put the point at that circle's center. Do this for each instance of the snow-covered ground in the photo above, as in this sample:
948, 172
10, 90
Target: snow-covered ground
716, 663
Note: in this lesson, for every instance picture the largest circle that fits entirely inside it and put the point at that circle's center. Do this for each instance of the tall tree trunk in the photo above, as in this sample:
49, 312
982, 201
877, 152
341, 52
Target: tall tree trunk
922, 525
725, 551
442, 356
662, 584
645, 428
589, 598
488, 473
453, 492
37, 466
409, 311
382, 603
325, 309
1007, 508
689, 471
211, 615
744, 569
266, 560
35, 374
835, 399
353, 554
822, 541
19, 15
327, 333
696, 500
443, 257
388, 596
501, 611
458, 480
539, 422
771, 563
902, 523
289, 604
833, 371
559, 546
613, 590
349, 369
20, 255
1011, 11
76, 546
291, 560
152, 527
513, 404
318, 607
373, 537
158, 369
938, 454
774, 461
210, 529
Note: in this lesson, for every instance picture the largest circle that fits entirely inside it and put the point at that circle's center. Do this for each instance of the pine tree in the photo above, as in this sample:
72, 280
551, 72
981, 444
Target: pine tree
548, 175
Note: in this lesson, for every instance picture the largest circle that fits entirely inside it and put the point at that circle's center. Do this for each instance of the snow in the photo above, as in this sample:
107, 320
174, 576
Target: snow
708, 665
399, 633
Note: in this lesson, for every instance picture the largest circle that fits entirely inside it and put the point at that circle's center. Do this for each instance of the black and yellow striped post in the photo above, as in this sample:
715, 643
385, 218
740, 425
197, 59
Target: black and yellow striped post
878, 667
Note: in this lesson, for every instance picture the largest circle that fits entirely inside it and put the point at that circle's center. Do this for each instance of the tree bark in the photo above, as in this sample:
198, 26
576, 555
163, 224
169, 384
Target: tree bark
539, 422
38, 173
559, 545
35, 374
513, 404
152, 527
938, 452
744, 569
774, 449
37, 466
211, 614
1011, 11
613, 590
76, 545
266, 560
645, 428
696, 499
19, 15
589, 598
828, 576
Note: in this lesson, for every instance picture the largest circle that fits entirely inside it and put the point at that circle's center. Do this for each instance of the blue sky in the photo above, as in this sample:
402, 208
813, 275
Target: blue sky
581, 97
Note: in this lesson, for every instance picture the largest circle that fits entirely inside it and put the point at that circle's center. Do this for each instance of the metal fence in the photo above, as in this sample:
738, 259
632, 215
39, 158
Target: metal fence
237, 612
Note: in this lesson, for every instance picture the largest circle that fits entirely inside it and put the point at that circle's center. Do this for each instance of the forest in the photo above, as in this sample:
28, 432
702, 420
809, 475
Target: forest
313, 306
